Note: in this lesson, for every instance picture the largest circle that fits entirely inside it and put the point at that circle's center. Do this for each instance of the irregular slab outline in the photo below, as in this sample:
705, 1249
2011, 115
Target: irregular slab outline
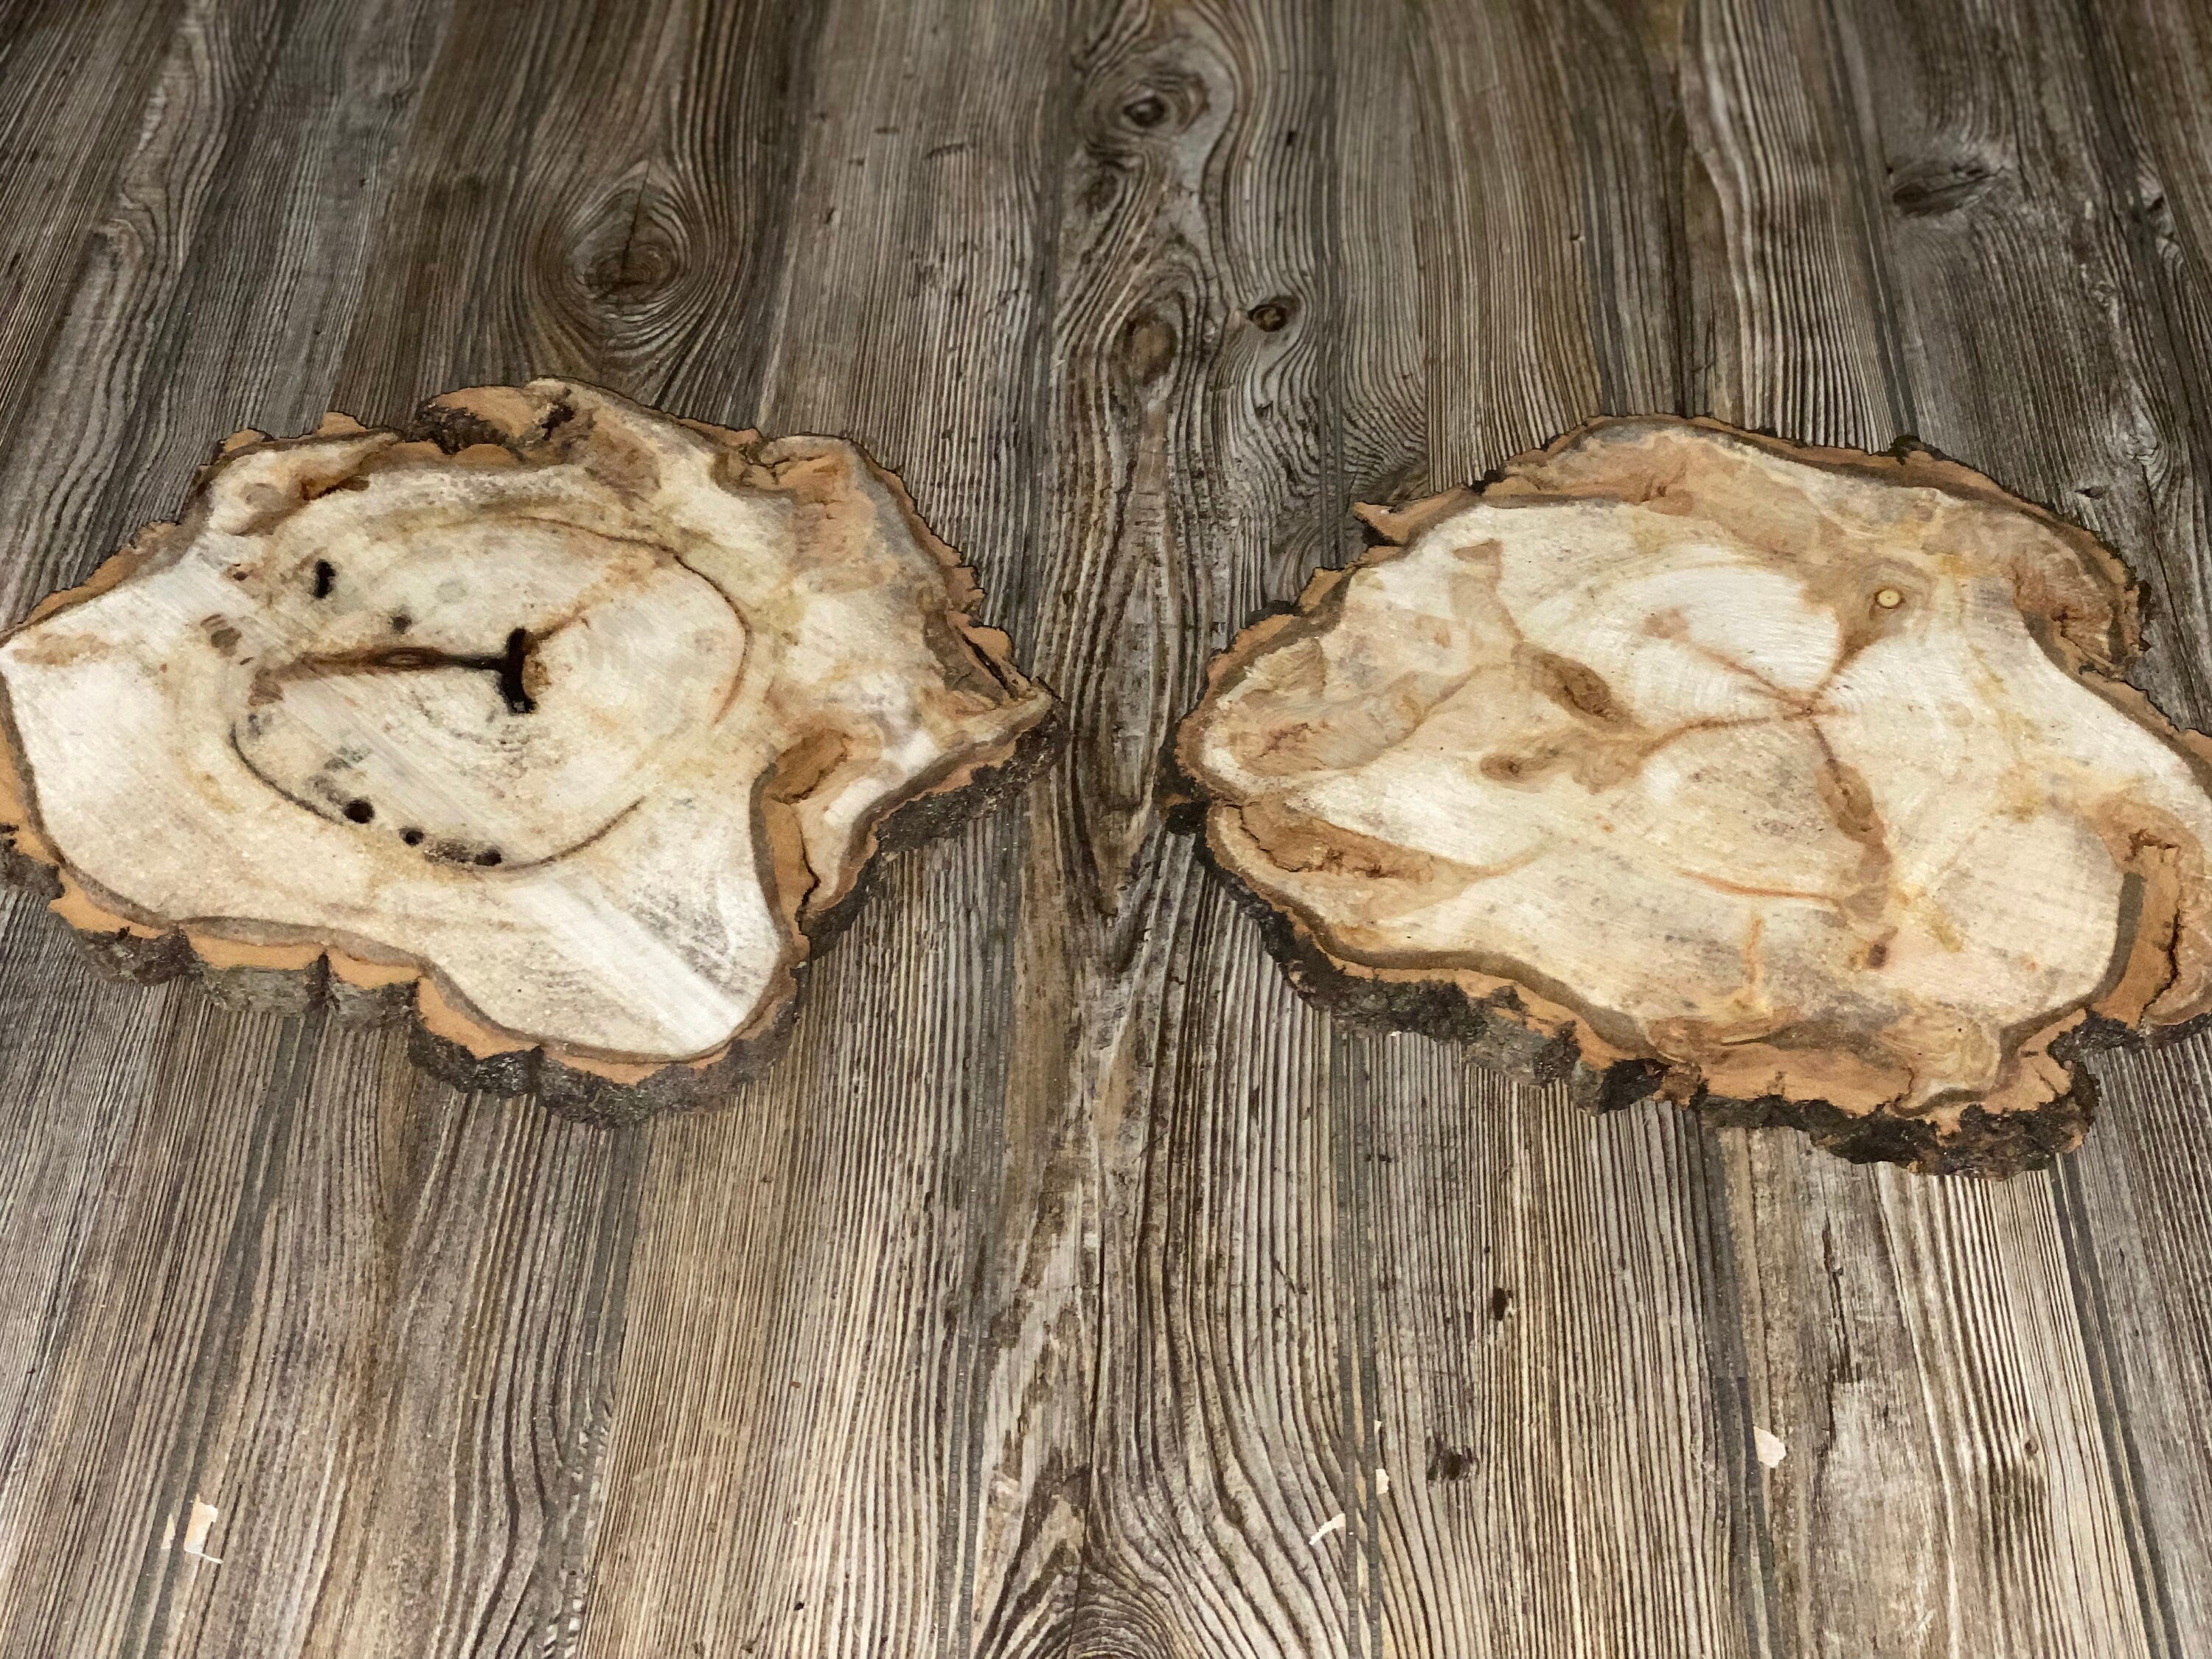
2082, 608
818, 808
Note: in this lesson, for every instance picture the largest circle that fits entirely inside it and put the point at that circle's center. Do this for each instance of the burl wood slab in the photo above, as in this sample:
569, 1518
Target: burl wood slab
575, 719
1798, 785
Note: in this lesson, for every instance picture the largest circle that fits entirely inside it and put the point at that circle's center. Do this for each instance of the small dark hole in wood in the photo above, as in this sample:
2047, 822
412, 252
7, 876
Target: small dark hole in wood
510, 675
489, 857
325, 578
360, 811
1448, 1462
1272, 314
411, 836
1501, 1303
1148, 110
401, 622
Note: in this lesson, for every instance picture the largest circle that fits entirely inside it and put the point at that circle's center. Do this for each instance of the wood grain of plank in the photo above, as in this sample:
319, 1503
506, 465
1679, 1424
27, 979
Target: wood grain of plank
288, 1359
215, 286
1557, 1424
482, 1293
119, 1359
1541, 1284
1790, 316
793, 1452
2148, 67
873, 1449
1918, 1346
63, 136
267, 1360
2134, 1205
600, 195
1196, 465
1071, 1287
53, 1178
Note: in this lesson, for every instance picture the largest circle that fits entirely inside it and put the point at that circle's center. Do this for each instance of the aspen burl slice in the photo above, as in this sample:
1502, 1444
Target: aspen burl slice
575, 717
1800, 785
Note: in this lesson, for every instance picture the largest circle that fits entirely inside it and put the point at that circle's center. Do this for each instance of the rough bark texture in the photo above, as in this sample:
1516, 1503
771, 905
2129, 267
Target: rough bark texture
1108, 1270
1799, 784
571, 721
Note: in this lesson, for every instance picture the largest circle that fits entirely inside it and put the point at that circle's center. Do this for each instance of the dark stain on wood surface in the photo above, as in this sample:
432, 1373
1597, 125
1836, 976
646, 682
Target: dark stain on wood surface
1071, 1287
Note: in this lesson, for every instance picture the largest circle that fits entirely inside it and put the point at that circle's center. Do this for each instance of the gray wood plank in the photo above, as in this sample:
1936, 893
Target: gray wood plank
1791, 321
1541, 1283
594, 190
362, 1318
1195, 426
217, 283
850, 1416
63, 136
1071, 1286
457, 1491
120, 1384
80, 1040
1918, 1346
2134, 1205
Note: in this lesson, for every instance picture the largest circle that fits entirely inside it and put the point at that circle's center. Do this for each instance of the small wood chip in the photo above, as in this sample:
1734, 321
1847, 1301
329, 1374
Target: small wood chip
197, 1526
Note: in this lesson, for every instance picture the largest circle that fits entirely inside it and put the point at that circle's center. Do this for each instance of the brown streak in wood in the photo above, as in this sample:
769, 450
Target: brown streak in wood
1091, 1250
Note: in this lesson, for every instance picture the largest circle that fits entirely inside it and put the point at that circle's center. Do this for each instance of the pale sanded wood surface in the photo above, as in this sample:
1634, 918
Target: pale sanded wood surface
1676, 758
571, 723
1069, 1277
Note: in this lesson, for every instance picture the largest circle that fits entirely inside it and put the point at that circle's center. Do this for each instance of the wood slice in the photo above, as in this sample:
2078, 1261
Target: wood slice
576, 719
1800, 785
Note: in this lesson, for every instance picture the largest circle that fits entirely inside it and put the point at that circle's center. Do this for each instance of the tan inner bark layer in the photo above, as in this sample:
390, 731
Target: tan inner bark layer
1806, 773
580, 724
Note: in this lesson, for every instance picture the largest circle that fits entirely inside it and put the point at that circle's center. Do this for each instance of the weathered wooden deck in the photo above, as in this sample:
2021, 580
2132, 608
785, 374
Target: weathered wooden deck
1069, 1278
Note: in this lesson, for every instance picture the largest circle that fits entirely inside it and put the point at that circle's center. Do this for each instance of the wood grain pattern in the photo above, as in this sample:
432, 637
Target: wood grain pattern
869, 1455
1070, 1277
1546, 1284
1907, 110
64, 136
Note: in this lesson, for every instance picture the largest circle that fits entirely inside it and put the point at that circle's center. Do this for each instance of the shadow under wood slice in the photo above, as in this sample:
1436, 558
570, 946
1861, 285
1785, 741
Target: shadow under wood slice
1797, 786
575, 724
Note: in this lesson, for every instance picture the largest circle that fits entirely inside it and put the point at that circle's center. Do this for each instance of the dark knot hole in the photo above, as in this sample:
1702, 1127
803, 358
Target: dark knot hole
519, 700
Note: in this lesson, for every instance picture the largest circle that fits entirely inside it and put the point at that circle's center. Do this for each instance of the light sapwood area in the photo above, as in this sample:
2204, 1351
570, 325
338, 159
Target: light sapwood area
1793, 784
1072, 1288
572, 718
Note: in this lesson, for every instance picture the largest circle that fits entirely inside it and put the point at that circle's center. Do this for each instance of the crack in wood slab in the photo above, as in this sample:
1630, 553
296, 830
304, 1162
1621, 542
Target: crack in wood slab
1798, 785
